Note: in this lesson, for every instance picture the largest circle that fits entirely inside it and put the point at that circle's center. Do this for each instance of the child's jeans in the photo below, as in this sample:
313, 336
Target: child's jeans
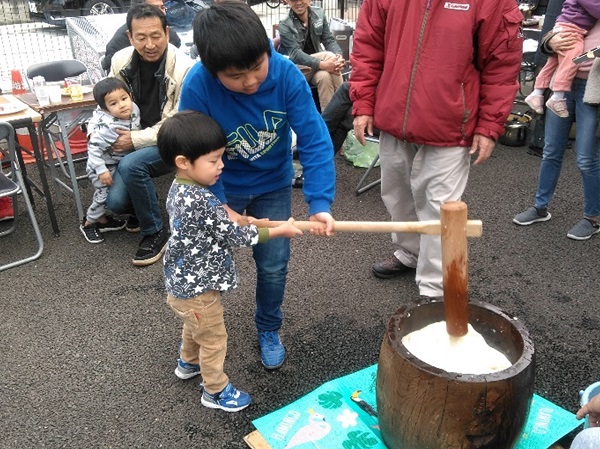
204, 337
562, 66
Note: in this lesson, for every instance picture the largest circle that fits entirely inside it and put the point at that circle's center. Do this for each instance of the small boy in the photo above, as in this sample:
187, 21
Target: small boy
198, 263
116, 110
258, 97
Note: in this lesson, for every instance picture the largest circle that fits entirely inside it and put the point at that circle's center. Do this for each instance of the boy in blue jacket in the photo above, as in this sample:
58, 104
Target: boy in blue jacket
258, 96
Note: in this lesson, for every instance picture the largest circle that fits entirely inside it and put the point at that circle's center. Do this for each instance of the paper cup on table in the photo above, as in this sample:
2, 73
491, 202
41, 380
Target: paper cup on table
42, 95
54, 92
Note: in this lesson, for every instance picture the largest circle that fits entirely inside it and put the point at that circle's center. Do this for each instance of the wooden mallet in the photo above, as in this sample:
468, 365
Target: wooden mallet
454, 229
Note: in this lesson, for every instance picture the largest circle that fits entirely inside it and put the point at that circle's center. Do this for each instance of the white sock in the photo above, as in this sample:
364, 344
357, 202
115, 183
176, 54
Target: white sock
538, 92
558, 95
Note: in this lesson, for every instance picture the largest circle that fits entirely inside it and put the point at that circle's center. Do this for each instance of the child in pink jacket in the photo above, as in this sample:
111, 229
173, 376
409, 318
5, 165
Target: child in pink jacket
577, 17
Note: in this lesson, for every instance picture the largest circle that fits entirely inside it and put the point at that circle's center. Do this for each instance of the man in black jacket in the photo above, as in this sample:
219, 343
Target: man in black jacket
120, 39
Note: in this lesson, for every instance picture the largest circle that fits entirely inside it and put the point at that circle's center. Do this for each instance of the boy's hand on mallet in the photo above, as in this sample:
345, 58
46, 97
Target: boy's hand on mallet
327, 219
286, 229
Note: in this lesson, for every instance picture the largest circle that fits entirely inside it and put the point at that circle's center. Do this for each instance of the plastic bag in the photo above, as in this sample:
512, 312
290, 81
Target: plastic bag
357, 154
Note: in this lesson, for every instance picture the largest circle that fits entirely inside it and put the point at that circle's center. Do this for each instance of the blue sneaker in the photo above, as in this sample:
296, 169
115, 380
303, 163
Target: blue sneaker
272, 351
186, 370
230, 399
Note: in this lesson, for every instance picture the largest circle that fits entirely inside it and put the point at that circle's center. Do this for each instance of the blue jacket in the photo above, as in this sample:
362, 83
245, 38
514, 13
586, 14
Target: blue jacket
258, 157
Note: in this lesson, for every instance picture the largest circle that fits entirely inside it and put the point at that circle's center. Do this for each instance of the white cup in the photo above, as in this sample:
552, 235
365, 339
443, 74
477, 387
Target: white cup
54, 92
43, 98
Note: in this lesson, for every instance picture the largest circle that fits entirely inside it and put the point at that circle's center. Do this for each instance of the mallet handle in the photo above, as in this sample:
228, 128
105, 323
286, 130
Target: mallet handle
432, 227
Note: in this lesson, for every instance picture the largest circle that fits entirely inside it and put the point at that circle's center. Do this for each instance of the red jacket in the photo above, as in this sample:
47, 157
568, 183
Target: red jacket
436, 72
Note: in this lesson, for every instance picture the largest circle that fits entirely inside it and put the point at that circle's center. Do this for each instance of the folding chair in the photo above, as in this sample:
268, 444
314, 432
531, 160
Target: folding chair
360, 188
54, 71
10, 187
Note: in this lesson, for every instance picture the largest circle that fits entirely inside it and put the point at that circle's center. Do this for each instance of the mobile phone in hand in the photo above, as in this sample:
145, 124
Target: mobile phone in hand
587, 56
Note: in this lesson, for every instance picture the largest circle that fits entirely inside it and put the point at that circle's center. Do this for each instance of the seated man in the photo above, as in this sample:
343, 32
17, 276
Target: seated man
120, 40
338, 116
302, 33
154, 71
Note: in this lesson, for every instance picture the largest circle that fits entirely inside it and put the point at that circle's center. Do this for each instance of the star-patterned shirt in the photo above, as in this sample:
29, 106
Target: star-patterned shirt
199, 254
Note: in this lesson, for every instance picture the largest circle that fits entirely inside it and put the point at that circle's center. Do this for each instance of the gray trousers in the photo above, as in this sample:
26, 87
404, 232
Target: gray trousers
415, 181
98, 207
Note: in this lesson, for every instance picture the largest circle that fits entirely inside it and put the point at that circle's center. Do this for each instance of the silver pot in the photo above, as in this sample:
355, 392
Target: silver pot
515, 130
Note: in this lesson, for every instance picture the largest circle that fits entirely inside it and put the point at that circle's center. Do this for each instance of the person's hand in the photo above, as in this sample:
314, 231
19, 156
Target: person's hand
105, 178
329, 65
362, 122
246, 220
561, 42
592, 408
340, 62
484, 145
123, 142
323, 217
242, 220
286, 229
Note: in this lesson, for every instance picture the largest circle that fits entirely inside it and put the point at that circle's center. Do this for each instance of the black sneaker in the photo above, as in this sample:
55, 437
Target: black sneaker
112, 224
133, 224
390, 268
91, 232
152, 247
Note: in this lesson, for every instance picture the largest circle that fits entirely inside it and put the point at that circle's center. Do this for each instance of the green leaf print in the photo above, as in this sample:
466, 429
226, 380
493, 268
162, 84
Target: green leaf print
359, 440
331, 399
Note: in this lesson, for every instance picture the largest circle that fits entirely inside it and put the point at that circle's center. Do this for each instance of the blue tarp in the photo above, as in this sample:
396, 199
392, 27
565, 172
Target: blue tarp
341, 414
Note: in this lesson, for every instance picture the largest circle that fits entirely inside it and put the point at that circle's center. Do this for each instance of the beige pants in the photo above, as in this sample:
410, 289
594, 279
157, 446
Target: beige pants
204, 337
326, 82
415, 181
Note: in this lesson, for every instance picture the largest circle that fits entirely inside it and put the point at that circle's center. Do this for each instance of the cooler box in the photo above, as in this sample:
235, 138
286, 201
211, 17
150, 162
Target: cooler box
343, 33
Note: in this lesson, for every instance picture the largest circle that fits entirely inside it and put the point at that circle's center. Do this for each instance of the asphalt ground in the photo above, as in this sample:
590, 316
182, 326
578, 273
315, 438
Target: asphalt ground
88, 344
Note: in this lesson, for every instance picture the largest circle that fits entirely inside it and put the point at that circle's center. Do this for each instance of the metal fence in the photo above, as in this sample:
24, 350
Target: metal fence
25, 41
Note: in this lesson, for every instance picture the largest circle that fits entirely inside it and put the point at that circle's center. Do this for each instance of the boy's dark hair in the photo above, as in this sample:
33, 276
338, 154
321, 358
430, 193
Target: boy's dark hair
190, 134
229, 34
143, 12
106, 86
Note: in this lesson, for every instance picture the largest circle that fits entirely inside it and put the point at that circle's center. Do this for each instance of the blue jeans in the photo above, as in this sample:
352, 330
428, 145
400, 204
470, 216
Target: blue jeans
133, 191
587, 151
271, 257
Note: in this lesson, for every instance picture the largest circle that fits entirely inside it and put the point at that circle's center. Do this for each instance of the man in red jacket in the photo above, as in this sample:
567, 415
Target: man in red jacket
438, 79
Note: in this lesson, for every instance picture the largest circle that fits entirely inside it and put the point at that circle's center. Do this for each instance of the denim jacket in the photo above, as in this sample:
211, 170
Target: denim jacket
294, 35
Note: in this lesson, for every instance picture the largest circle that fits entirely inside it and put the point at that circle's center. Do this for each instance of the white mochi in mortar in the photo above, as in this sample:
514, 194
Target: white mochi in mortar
469, 354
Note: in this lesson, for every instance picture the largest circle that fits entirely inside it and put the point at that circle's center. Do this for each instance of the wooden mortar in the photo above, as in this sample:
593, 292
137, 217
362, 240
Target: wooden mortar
423, 407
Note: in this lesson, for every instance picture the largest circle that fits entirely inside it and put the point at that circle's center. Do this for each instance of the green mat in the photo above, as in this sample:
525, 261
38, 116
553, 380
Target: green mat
341, 414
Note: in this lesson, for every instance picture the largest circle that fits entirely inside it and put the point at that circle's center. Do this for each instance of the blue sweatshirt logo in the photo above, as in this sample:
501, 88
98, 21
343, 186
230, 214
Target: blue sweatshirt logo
246, 142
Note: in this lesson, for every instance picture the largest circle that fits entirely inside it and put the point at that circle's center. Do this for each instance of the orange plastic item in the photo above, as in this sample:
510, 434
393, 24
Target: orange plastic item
18, 86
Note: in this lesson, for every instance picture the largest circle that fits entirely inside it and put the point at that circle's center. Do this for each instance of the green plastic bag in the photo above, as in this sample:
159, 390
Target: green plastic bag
357, 154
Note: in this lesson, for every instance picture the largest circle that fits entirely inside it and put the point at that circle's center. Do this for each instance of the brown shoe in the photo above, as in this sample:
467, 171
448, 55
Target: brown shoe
390, 268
